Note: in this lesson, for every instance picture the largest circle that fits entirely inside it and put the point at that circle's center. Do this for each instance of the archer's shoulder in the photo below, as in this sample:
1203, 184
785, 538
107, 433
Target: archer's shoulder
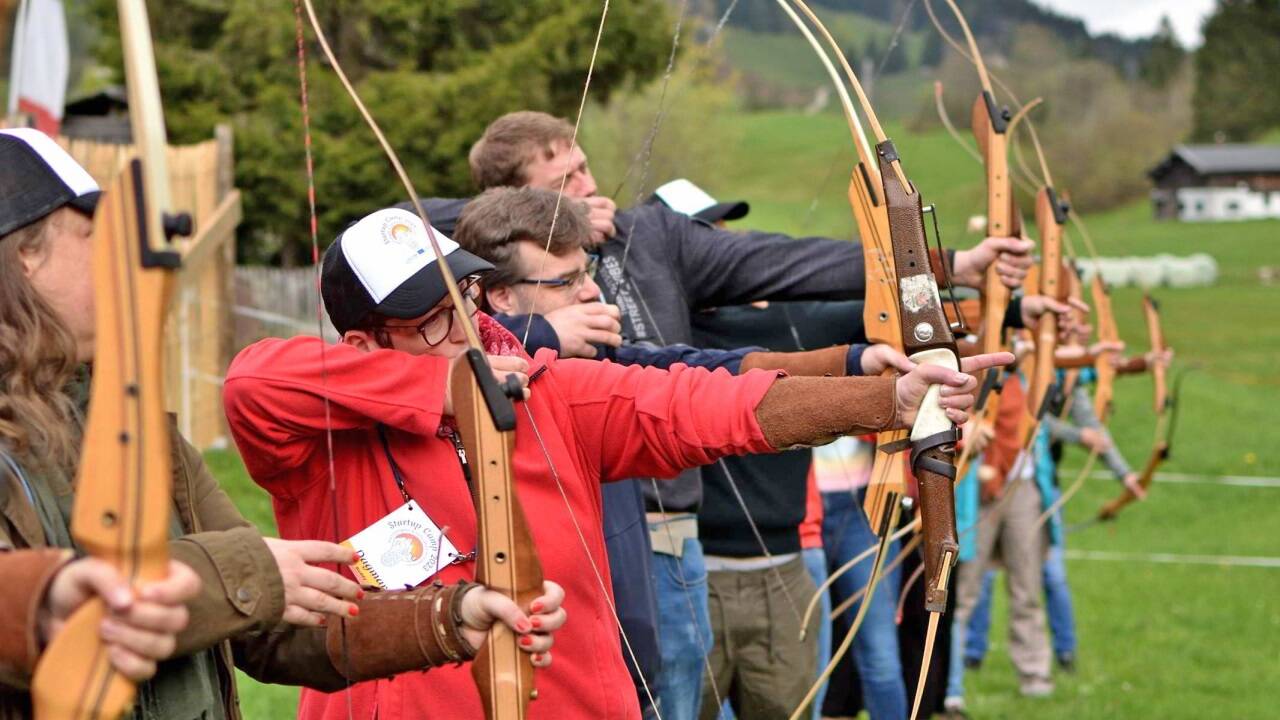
271, 350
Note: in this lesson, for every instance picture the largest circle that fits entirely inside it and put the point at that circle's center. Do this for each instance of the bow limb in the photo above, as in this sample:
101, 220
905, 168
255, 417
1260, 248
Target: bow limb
880, 311
990, 123
914, 292
926, 337
506, 557
881, 319
1155, 333
1103, 367
123, 485
1051, 216
1166, 414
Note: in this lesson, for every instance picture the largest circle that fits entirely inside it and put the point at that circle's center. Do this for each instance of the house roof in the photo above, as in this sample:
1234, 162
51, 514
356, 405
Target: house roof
1218, 159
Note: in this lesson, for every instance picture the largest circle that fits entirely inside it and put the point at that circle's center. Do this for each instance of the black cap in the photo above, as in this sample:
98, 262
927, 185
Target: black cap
37, 177
685, 197
384, 263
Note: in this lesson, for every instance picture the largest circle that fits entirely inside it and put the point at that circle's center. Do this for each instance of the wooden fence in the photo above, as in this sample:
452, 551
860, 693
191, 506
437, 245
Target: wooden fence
278, 302
199, 340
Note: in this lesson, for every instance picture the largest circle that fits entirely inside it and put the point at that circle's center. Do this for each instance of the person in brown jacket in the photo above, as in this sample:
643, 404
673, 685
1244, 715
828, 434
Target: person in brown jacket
232, 598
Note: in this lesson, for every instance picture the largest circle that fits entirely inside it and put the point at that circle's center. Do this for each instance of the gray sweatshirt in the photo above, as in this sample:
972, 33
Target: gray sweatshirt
1083, 416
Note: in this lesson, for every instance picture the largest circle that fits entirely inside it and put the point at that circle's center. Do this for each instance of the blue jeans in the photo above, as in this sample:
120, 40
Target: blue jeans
1057, 600
845, 533
684, 630
975, 644
955, 663
815, 560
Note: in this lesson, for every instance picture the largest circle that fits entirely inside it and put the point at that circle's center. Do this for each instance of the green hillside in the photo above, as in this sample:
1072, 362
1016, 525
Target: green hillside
786, 57
784, 63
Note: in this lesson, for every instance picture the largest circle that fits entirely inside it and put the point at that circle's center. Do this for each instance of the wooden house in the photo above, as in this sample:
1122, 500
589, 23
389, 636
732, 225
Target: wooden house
1217, 182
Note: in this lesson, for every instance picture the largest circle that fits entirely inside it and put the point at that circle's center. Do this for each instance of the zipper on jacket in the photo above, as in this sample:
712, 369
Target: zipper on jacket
462, 456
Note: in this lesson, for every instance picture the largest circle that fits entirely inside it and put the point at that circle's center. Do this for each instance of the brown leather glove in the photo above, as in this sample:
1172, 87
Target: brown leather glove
27, 575
808, 411
811, 363
1083, 360
1135, 364
400, 631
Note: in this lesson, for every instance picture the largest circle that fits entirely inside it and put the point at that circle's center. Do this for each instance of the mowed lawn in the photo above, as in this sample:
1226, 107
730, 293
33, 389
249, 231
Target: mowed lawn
1171, 639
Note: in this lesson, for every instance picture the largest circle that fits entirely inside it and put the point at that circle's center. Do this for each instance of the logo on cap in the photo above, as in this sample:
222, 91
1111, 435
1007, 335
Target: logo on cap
397, 232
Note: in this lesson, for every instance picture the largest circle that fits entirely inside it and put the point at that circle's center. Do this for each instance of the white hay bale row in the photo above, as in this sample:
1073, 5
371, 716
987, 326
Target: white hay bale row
1149, 272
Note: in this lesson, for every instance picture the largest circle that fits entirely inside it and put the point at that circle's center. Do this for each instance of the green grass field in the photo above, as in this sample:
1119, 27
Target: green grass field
1157, 640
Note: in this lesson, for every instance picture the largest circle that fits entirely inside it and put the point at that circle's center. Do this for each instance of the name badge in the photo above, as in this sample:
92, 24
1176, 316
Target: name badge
401, 550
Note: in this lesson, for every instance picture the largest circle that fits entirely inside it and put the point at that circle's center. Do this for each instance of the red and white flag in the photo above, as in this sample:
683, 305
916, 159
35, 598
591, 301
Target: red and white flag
41, 61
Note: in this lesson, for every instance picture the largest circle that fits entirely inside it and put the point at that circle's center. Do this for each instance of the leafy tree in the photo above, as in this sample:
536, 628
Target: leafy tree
433, 74
1235, 95
893, 58
931, 55
1164, 59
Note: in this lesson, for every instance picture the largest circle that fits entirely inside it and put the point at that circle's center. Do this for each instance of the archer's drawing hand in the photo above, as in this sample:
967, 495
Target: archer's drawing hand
482, 608
956, 395
600, 212
142, 623
310, 592
582, 326
1012, 257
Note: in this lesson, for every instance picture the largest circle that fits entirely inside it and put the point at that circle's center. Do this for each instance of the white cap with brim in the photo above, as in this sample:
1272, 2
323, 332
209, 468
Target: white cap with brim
688, 199
384, 263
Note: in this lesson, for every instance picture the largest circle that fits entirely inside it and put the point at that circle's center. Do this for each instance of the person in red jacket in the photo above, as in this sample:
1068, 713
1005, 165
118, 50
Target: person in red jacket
374, 410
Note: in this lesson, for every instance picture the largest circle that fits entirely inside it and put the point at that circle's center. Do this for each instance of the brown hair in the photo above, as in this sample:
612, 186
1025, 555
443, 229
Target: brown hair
39, 422
492, 225
511, 142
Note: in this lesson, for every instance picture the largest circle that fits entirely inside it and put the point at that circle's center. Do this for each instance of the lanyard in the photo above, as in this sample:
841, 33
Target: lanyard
395, 468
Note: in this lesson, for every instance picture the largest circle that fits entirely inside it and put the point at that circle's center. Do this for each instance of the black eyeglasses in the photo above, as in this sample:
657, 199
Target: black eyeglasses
437, 326
572, 281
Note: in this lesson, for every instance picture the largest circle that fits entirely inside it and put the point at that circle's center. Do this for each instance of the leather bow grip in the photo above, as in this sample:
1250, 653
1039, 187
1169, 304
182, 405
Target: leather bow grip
933, 462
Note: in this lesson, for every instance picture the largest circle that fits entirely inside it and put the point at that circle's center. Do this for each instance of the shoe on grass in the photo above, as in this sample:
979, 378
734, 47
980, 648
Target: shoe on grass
953, 708
1067, 662
972, 663
1036, 687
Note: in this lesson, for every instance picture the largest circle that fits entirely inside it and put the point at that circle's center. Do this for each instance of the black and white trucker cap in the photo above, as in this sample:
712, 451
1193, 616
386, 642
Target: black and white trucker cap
687, 198
37, 177
384, 263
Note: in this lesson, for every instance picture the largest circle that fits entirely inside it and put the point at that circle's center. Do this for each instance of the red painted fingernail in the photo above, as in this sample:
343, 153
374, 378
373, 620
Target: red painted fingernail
537, 657
355, 558
535, 622
324, 621
359, 594
353, 611
536, 607
522, 626
526, 641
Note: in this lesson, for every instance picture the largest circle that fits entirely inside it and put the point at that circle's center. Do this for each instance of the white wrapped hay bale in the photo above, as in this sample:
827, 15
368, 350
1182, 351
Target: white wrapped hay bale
1147, 273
